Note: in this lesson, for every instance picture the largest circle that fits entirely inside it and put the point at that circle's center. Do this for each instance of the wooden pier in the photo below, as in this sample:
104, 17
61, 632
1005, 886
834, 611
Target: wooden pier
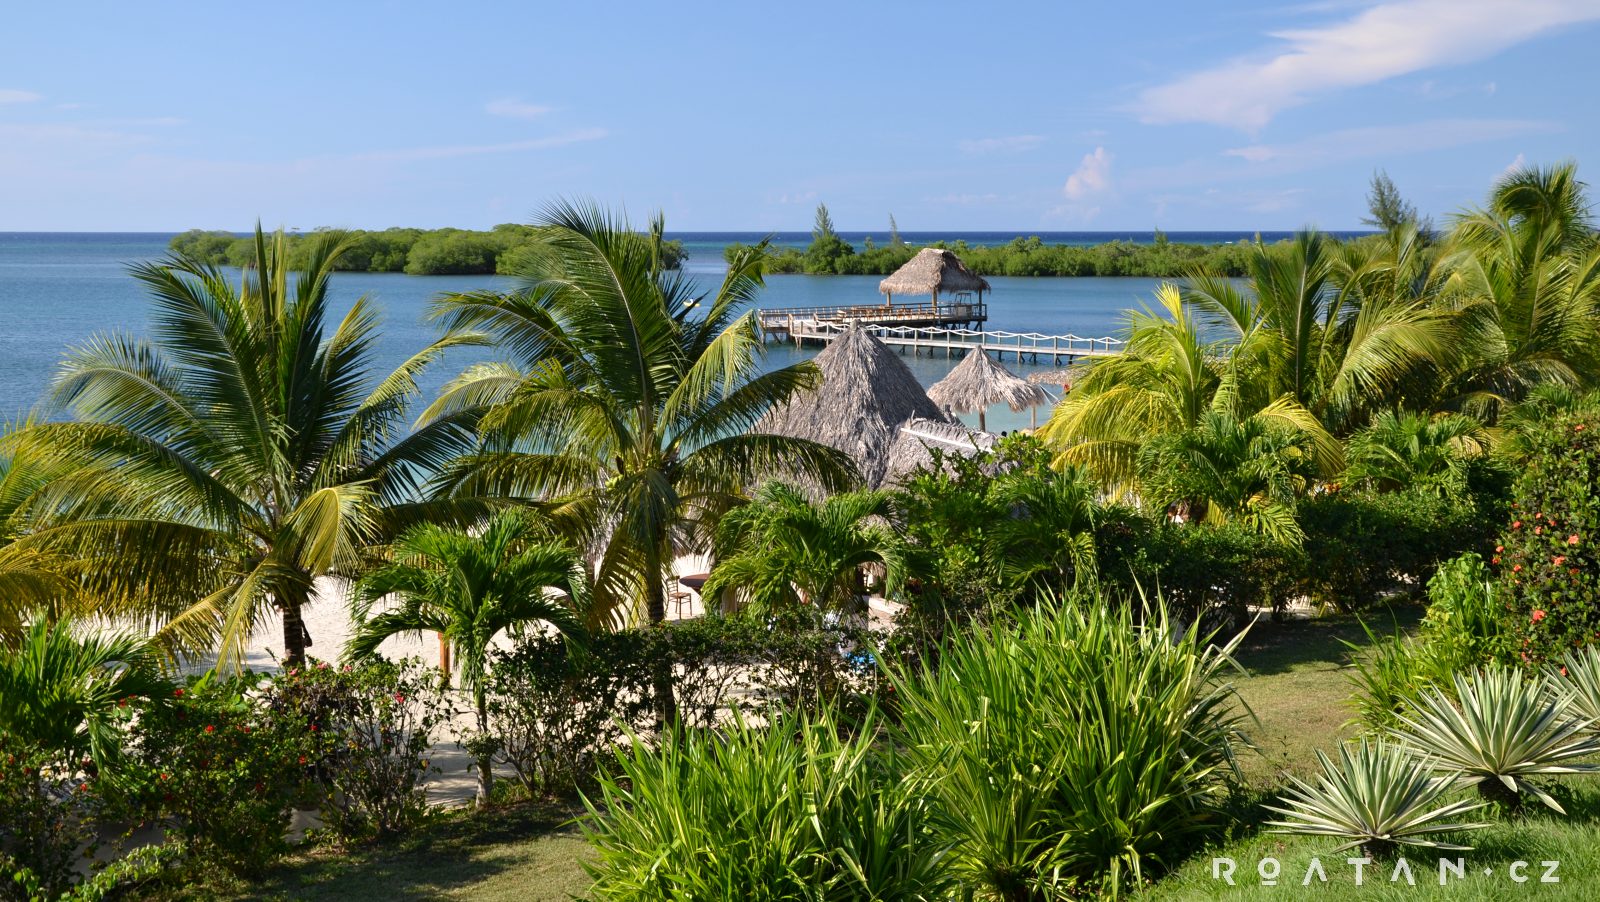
1021, 347
961, 311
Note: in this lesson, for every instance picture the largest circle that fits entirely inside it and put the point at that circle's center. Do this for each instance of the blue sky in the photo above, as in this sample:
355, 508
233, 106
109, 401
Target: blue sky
1030, 116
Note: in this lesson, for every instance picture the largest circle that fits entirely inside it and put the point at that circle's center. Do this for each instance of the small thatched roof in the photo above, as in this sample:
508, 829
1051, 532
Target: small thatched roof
932, 271
866, 393
978, 382
1065, 376
917, 440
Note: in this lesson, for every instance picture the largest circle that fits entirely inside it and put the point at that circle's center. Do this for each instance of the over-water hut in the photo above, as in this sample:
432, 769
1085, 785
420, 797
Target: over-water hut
978, 382
919, 438
867, 392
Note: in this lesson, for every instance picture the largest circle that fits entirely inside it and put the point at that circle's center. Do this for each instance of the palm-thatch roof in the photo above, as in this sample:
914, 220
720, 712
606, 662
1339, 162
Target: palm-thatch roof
919, 438
866, 393
932, 271
1065, 376
978, 382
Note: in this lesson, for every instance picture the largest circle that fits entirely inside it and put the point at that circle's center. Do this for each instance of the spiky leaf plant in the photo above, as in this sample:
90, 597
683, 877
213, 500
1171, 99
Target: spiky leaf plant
1504, 729
1378, 796
1579, 675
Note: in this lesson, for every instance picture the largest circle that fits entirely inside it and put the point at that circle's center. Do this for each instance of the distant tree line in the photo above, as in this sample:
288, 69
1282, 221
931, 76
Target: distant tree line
504, 249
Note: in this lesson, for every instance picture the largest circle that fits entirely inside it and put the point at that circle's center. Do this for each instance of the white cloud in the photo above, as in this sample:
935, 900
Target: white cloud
1379, 43
1385, 140
14, 95
1092, 176
1519, 162
512, 108
1008, 144
472, 150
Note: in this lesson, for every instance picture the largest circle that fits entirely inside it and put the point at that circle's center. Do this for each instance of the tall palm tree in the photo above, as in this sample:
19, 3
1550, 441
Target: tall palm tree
471, 586
214, 473
629, 396
33, 582
1170, 377
60, 689
1525, 285
783, 553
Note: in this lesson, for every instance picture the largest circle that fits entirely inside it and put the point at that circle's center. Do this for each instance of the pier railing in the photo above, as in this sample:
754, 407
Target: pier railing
1019, 346
927, 313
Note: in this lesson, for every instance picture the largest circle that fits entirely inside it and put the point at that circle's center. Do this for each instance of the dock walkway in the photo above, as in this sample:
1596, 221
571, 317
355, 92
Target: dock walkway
1029, 347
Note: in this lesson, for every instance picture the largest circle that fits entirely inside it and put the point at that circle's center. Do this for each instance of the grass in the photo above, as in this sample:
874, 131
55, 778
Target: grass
1296, 685
522, 852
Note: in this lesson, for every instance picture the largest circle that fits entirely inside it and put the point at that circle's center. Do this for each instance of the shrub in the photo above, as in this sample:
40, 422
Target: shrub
1377, 796
1550, 562
375, 722
1500, 729
557, 707
223, 771
1074, 750
47, 823
799, 809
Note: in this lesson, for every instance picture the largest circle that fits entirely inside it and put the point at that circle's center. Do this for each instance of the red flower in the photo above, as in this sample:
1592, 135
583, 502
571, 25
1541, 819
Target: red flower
1538, 530
1495, 559
1539, 515
399, 698
210, 728
178, 693
1538, 615
1578, 428
1499, 548
166, 776
1572, 539
1516, 524
1559, 559
1517, 569
83, 787
302, 759
313, 728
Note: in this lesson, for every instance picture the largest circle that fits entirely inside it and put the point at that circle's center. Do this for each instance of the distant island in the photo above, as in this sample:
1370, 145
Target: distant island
417, 252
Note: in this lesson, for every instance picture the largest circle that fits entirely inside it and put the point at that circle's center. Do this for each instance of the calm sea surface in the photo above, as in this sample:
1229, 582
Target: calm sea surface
57, 290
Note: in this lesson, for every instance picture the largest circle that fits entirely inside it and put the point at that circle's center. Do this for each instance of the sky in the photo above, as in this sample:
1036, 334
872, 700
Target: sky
1050, 116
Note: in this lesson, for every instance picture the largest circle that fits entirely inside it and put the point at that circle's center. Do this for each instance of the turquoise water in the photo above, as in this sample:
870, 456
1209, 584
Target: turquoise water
57, 290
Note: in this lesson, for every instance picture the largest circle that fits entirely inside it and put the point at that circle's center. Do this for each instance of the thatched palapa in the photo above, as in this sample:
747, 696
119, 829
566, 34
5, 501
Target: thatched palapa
1062, 377
978, 382
932, 271
918, 439
866, 393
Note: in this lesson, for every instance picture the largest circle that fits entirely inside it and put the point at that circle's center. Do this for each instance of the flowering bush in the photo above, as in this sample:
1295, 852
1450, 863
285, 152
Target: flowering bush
373, 724
46, 823
1548, 558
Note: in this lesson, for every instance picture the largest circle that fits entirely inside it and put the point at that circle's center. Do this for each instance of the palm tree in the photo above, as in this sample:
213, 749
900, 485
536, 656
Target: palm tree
1227, 470
470, 587
60, 688
33, 582
1048, 541
1525, 284
1167, 381
784, 554
628, 396
1400, 450
213, 474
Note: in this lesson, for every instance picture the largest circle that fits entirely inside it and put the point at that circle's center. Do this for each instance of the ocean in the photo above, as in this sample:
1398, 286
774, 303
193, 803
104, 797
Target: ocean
59, 289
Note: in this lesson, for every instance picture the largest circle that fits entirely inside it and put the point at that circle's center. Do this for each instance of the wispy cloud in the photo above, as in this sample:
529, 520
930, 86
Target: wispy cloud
1379, 43
1387, 140
449, 151
16, 95
511, 108
1093, 176
1008, 144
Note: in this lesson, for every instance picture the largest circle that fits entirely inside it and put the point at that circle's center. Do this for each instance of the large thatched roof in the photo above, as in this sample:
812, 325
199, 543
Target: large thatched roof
918, 438
866, 393
978, 382
933, 271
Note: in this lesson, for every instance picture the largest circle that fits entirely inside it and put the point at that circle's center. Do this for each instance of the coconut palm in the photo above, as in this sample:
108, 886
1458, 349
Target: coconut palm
60, 689
784, 553
470, 587
1400, 450
213, 474
33, 582
1525, 286
628, 395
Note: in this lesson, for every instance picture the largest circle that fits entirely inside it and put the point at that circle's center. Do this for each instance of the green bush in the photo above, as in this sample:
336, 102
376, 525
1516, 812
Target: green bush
1550, 562
48, 822
1076, 750
799, 809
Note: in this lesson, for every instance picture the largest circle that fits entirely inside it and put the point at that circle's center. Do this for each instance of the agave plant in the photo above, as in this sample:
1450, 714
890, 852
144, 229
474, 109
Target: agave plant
1378, 796
1504, 729
1579, 676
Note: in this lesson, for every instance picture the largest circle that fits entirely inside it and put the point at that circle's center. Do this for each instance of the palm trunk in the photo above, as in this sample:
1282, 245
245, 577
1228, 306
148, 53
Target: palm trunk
485, 771
656, 610
295, 635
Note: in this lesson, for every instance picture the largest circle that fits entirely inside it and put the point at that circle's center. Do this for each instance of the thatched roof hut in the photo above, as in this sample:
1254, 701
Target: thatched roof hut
978, 382
932, 271
918, 439
866, 393
1061, 377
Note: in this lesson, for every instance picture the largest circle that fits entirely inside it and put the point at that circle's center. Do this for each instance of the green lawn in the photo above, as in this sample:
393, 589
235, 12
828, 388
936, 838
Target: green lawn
1296, 686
